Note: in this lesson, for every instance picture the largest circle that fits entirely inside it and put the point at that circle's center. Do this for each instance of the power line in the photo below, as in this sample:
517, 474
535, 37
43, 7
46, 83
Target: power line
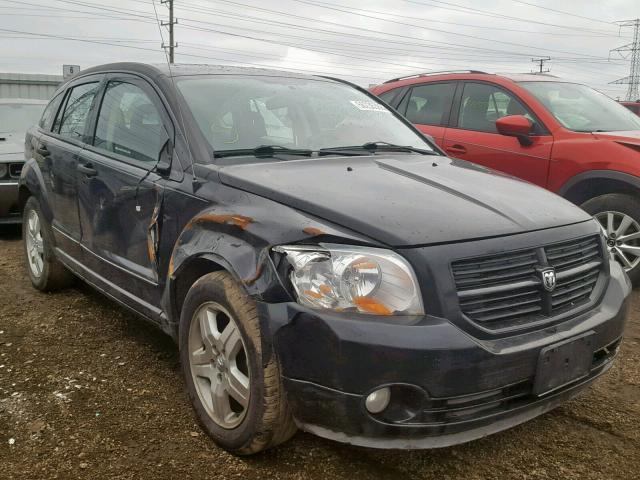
475, 11
563, 12
449, 46
412, 40
457, 34
440, 45
457, 24
379, 45
260, 65
140, 17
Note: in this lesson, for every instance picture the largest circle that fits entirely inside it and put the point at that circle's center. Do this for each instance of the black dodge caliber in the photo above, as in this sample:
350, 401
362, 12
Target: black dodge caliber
319, 262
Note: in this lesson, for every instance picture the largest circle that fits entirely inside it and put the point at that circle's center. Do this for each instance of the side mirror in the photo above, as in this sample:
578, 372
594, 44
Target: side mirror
517, 126
163, 165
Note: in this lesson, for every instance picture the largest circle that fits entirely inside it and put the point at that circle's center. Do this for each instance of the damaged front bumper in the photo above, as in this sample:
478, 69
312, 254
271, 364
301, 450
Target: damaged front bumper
447, 387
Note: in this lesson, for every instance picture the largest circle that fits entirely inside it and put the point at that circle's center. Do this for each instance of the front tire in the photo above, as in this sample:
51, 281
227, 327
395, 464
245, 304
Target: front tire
619, 218
239, 400
45, 270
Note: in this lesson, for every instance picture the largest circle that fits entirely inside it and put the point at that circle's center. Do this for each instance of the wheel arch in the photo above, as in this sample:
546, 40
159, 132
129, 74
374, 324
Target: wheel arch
201, 250
32, 184
189, 272
594, 183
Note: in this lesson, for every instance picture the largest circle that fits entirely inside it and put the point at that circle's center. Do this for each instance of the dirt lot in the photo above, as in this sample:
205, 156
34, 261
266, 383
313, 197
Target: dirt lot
89, 391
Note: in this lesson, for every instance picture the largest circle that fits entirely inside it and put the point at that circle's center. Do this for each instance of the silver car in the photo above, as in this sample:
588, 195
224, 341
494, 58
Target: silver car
16, 116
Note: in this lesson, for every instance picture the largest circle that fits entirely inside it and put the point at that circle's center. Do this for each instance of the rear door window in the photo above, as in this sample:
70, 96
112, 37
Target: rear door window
430, 104
129, 123
72, 120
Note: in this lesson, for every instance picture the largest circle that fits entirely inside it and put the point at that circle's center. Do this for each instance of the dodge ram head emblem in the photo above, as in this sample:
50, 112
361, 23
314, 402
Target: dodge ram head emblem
548, 276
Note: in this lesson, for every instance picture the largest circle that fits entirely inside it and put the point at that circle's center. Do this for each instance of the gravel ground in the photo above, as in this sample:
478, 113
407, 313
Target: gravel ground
87, 390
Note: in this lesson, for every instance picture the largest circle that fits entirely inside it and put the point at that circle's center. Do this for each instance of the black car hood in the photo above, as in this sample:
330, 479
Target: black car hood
406, 200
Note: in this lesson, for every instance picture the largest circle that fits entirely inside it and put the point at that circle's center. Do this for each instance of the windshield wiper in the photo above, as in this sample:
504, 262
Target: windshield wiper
391, 147
376, 146
263, 151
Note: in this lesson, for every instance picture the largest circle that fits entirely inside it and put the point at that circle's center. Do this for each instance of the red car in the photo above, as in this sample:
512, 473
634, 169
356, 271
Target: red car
633, 106
563, 136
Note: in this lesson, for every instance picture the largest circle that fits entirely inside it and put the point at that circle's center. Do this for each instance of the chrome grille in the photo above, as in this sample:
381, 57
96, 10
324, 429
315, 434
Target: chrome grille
505, 290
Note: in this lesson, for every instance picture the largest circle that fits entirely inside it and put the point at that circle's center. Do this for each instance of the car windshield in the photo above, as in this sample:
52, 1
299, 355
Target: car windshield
583, 109
241, 112
19, 117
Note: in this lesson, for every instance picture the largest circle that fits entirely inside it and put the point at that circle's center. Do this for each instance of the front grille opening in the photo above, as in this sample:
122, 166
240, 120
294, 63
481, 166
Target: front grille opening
570, 254
15, 169
491, 271
501, 306
504, 290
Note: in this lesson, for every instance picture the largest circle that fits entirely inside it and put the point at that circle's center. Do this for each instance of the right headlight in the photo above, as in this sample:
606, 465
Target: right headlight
351, 278
3, 170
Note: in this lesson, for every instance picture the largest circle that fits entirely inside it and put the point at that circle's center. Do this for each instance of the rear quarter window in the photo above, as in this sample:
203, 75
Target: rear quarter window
389, 96
46, 121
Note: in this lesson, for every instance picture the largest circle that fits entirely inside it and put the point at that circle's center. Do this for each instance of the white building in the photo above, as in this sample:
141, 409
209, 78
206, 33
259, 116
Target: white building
28, 85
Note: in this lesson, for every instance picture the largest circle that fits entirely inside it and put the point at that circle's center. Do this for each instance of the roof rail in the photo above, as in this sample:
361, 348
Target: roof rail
417, 75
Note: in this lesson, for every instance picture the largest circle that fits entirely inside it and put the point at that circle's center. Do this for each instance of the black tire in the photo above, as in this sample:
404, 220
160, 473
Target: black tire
53, 276
267, 420
624, 204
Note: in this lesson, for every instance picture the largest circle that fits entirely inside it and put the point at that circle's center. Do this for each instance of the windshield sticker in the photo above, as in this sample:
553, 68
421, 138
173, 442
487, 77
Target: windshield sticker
369, 106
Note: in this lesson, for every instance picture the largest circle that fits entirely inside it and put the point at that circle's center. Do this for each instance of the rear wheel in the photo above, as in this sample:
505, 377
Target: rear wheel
45, 271
619, 218
237, 394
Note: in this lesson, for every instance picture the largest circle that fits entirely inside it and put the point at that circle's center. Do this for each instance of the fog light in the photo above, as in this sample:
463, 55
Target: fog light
379, 400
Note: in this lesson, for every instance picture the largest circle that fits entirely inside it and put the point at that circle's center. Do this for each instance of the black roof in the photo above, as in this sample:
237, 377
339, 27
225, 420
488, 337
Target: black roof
180, 69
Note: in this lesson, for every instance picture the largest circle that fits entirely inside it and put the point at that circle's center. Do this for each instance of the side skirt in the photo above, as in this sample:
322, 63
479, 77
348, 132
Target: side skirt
114, 292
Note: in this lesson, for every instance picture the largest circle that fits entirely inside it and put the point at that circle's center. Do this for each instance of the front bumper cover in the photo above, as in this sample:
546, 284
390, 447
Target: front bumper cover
330, 362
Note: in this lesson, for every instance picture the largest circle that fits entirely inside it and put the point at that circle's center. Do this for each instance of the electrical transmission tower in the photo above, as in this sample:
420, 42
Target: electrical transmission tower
632, 51
172, 45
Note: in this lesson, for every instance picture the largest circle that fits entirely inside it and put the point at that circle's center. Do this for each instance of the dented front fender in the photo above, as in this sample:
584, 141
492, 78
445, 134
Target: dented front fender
239, 237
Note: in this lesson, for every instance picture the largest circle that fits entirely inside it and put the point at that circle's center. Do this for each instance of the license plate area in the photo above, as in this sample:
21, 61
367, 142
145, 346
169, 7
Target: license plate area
563, 363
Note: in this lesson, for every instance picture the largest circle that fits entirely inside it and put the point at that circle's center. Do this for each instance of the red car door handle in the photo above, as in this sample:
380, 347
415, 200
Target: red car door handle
456, 149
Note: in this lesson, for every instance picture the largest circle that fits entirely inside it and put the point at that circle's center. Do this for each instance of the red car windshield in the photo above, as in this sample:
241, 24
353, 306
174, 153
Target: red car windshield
583, 109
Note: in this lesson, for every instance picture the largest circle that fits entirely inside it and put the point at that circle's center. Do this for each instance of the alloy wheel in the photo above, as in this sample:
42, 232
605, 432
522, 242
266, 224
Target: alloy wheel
34, 244
218, 361
622, 234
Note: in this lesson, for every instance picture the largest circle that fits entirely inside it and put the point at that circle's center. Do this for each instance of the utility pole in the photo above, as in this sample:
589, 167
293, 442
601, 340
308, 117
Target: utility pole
541, 62
172, 45
632, 51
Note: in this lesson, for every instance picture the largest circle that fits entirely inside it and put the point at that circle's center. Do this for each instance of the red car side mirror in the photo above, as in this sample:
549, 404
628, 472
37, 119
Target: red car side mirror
517, 126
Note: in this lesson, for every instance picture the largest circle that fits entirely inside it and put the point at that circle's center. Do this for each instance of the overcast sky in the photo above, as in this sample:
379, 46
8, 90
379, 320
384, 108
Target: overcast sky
363, 41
